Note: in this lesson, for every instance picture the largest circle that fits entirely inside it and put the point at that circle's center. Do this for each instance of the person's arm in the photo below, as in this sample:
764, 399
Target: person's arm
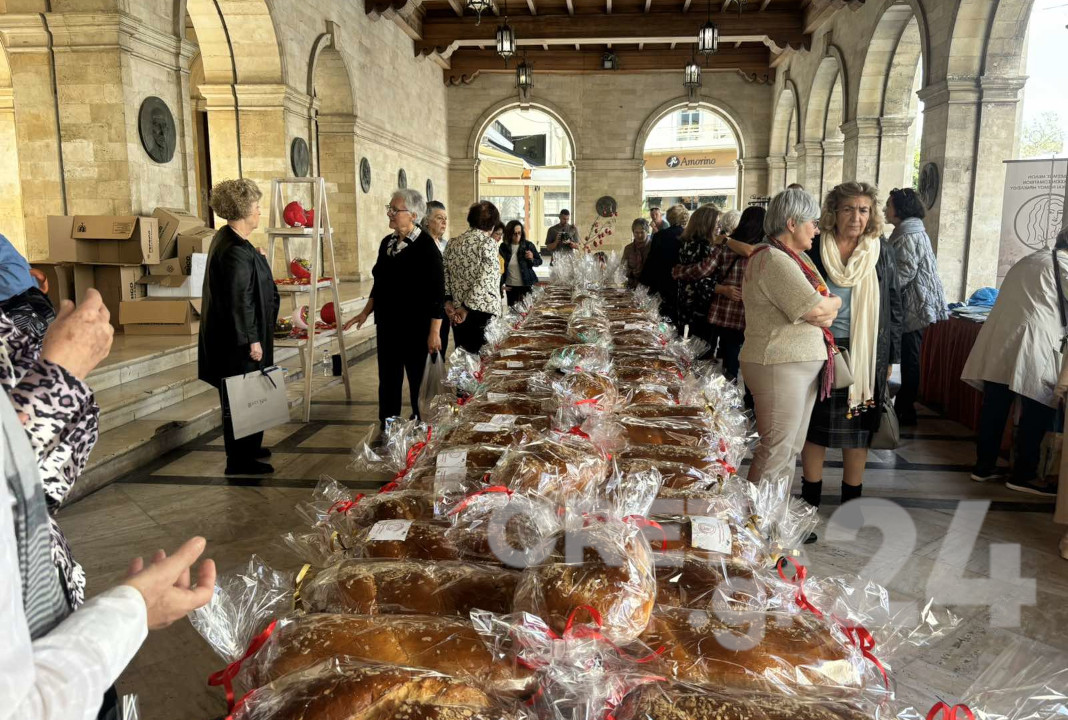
237, 269
788, 290
368, 308
897, 309
552, 240
698, 270
742, 248
907, 253
536, 261
825, 311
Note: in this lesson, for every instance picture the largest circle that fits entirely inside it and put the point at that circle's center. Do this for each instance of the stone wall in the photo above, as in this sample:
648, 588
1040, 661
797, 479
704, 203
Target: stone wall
608, 117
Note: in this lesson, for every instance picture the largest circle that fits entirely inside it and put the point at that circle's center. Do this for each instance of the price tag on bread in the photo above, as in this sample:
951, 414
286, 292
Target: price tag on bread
452, 458
496, 397
712, 534
504, 420
509, 352
389, 530
513, 364
633, 326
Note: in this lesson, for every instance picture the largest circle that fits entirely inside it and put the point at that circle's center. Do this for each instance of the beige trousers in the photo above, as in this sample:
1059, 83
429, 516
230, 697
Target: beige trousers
783, 396
1060, 515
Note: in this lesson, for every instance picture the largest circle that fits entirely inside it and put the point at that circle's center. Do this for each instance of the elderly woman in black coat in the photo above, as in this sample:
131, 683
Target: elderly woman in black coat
238, 313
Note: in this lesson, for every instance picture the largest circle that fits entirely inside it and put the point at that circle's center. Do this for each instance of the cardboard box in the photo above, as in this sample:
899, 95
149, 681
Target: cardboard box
172, 223
194, 241
179, 286
167, 267
60, 278
103, 239
161, 316
115, 283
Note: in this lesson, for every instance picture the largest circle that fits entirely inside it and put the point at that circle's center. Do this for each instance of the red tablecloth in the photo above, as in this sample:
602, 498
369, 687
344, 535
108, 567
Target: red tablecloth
945, 350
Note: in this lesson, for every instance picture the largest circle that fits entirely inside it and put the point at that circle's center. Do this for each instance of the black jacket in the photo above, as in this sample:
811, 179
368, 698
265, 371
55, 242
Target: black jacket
526, 267
239, 307
656, 275
888, 345
409, 287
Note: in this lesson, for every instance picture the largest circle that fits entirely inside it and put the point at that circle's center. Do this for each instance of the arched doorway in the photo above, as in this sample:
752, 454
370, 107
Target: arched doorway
785, 136
526, 168
12, 219
888, 126
334, 149
691, 158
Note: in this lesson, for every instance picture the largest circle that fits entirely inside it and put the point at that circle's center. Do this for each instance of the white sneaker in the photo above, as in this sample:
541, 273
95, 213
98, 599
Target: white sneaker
1064, 546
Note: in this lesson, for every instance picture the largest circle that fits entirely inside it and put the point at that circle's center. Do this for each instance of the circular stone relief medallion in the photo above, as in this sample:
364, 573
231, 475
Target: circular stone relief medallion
156, 125
300, 157
929, 184
606, 206
365, 175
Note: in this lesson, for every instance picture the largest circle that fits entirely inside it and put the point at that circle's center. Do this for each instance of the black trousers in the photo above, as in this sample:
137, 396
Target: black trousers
237, 449
109, 708
471, 333
444, 337
401, 351
1035, 420
516, 294
905, 402
729, 341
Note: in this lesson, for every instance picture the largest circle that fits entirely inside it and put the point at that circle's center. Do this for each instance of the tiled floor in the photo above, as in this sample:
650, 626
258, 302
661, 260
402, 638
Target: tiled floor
185, 493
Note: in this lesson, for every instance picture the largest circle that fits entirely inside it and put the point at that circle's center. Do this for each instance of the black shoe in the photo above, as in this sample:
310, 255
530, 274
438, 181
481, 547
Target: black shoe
262, 454
249, 467
1033, 487
812, 537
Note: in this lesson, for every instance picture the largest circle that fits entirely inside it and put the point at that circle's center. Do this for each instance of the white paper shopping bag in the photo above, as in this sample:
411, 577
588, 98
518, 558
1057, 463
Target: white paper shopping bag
257, 401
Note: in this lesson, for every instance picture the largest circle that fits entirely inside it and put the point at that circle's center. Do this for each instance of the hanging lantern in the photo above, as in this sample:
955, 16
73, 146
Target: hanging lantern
692, 75
506, 41
479, 7
708, 39
524, 75
609, 61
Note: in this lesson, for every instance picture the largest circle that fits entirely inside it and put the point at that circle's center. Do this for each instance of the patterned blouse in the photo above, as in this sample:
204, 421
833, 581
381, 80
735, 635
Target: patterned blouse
473, 272
62, 422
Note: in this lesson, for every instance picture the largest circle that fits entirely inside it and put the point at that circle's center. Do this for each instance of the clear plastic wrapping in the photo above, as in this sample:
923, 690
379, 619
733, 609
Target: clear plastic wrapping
687, 701
394, 587
606, 565
586, 393
400, 447
575, 358
564, 470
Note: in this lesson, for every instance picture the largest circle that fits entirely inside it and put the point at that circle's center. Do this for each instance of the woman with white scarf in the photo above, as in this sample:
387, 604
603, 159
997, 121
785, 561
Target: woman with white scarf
860, 268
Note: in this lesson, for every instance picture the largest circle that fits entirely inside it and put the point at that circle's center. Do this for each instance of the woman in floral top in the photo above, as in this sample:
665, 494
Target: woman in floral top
472, 278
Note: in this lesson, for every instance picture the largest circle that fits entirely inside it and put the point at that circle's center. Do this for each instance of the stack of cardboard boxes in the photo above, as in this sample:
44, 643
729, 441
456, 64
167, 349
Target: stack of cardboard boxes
148, 270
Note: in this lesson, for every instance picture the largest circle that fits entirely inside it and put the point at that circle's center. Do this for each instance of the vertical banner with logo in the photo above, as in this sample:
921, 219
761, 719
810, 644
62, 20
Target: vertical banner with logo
1033, 209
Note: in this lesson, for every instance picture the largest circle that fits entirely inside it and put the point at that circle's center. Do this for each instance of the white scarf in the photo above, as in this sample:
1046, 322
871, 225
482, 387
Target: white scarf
859, 274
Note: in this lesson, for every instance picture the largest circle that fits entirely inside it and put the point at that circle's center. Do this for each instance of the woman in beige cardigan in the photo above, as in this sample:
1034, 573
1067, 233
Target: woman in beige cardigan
787, 307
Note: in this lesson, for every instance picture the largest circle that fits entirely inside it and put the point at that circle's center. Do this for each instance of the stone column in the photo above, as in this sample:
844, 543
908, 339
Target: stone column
895, 164
12, 221
754, 172
860, 157
951, 123
791, 169
810, 164
224, 148
776, 174
832, 166
338, 166
36, 127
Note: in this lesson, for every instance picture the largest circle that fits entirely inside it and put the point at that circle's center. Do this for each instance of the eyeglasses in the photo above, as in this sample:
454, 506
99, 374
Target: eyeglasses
391, 211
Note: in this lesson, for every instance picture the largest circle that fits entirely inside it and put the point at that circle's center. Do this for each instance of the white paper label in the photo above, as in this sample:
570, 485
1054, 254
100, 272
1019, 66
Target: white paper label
496, 397
388, 530
449, 475
452, 458
513, 364
509, 352
489, 427
667, 358
633, 326
506, 420
712, 534
656, 388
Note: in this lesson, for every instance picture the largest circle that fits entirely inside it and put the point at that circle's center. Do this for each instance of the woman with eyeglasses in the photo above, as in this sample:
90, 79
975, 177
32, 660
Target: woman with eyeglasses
407, 300
860, 268
787, 310
520, 258
922, 297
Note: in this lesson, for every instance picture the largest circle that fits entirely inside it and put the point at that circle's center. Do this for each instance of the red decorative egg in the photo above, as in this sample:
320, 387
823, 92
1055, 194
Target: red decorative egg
294, 216
327, 314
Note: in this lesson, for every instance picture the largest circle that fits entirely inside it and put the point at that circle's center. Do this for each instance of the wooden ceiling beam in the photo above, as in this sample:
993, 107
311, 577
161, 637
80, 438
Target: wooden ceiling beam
457, 7
570, 7
532, 7
783, 28
752, 61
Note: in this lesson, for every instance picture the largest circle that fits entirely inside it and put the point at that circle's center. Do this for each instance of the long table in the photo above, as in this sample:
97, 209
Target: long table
946, 346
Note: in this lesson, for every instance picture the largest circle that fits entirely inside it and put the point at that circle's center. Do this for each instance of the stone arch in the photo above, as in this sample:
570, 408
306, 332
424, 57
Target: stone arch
491, 114
12, 217
988, 38
878, 59
333, 142
822, 166
819, 97
720, 109
785, 128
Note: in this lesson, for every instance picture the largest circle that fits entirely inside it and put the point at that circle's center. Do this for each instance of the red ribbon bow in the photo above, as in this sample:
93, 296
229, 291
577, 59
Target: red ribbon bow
461, 401
467, 500
587, 401
800, 573
225, 677
389, 487
576, 430
413, 454
646, 522
727, 466
950, 713
863, 641
344, 506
